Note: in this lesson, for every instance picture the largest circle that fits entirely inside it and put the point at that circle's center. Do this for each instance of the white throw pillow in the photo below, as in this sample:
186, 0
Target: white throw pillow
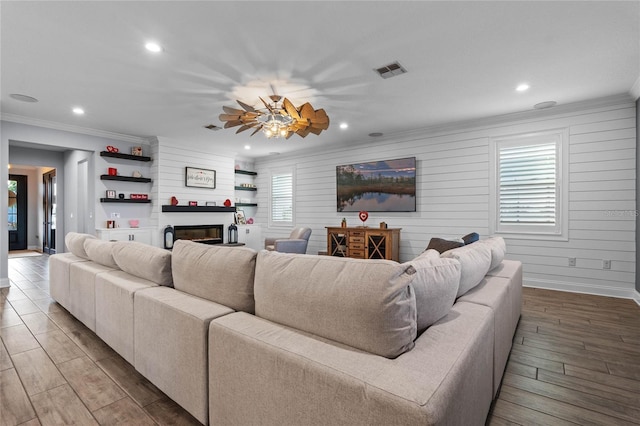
498, 250
75, 243
435, 285
475, 260
100, 251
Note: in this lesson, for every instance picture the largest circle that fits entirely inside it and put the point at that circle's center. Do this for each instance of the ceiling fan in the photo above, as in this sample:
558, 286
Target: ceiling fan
277, 119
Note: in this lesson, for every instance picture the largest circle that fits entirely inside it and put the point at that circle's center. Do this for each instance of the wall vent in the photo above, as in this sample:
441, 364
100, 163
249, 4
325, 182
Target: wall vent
391, 70
212, 127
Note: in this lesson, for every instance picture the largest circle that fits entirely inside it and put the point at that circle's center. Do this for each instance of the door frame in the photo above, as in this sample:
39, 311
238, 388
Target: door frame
18, 238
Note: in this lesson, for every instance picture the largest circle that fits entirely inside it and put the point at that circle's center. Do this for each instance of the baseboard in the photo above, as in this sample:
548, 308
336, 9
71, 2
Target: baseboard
599, 290
35, 248
4, 282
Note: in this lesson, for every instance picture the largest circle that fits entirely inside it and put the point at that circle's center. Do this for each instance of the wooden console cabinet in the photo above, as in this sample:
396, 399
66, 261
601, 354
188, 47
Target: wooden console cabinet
364, 243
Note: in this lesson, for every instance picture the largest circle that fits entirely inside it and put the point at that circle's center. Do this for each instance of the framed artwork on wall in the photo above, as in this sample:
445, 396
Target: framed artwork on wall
199, 178
240, 217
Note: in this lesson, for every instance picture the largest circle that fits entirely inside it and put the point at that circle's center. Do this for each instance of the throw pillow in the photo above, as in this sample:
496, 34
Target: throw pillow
498, 250
144, 261
75, 243
470, 238
475, 260
442, 245
366, 304
435, 285
100, 251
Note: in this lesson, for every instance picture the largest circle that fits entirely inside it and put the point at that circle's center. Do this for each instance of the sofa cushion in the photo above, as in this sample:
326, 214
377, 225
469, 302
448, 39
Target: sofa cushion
366, 304
475, 260
100, 251
221, 274
144, 261
442, 245
75, 243
498, 250
435, 284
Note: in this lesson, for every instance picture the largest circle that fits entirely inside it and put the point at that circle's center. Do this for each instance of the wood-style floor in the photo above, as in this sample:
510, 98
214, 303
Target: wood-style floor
55, 371
575, 360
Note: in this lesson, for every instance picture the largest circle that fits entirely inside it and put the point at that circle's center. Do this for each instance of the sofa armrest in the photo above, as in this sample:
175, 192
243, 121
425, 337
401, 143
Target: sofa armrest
323, 382
291, 246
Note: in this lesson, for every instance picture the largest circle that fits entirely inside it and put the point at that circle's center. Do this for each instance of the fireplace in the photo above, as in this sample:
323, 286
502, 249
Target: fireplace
205, 234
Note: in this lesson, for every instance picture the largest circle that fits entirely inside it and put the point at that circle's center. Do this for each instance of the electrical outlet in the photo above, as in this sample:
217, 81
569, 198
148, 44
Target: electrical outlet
606, 264
572, 261
246, 231
115, 215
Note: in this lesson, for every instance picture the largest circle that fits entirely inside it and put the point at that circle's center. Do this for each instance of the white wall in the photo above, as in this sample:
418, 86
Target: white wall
453, 193
170, 159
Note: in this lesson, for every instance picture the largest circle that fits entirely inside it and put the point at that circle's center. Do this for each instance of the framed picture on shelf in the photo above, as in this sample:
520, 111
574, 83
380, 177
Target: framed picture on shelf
240, 217
111, 193
199, 178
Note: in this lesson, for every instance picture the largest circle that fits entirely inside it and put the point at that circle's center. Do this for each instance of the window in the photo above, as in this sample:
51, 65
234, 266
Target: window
528, 194
281, 208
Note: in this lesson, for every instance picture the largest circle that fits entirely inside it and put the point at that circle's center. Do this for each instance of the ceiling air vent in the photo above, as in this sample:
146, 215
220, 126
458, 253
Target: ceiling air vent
212, 127
391, 70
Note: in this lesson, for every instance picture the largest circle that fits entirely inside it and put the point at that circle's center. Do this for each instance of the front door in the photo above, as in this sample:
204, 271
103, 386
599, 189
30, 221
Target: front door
49, 205
17, 212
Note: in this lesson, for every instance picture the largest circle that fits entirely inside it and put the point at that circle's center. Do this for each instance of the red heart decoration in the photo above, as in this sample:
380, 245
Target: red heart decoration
227, 203
112, 148
363, 216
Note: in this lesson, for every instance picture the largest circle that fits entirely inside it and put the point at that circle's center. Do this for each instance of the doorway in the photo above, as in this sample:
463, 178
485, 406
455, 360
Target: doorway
49, 207
17, 212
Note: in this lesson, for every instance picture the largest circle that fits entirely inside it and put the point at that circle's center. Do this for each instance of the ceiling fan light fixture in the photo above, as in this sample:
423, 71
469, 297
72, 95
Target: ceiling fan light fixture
279, 119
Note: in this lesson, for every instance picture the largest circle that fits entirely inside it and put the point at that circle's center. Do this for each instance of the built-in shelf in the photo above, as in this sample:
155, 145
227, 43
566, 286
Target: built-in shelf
246, 188
246, 172
246, 205
124, 156
197, 209
123, 200
125, 178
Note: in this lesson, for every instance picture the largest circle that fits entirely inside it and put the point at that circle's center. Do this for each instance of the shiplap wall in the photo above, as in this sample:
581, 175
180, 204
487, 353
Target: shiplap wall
170, 159
453, 194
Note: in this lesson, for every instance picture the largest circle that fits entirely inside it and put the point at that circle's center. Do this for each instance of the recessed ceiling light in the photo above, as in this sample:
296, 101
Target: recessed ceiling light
153, 47
247, 147
78, 111
544, 105
522, 87
22, 98
344, 126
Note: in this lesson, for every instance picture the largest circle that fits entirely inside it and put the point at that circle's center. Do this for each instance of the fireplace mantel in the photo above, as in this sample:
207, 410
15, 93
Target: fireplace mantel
197, 209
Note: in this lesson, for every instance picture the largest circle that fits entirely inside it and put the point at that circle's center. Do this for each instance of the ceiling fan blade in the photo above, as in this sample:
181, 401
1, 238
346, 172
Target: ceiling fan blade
229, 117
269, 107
289, 134
307, 111
291, 110
303, 132
243, 128
256, 130
230, 110
234, 123
315, 130
246, 107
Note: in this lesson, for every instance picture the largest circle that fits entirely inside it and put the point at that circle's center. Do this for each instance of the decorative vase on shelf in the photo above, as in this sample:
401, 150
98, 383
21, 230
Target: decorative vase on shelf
344, 222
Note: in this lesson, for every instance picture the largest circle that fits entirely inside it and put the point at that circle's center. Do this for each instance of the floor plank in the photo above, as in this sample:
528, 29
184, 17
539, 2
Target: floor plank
61, 406
123, 412
37, 372
15, 404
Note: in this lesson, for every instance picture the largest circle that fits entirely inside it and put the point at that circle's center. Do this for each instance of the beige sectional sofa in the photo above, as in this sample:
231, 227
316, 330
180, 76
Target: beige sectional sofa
238, 337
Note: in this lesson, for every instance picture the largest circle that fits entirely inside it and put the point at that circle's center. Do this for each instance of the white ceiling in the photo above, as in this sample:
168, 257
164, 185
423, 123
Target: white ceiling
464, 60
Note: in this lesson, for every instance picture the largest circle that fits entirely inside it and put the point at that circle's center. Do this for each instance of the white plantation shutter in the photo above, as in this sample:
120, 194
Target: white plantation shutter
528, 184
282, 198
528, 192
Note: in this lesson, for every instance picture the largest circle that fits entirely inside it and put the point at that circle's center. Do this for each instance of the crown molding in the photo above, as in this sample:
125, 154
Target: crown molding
73, 129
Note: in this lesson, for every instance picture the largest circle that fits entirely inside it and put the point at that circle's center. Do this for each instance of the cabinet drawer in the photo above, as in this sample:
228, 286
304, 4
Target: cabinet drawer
356, 246
356, 254
353, 239
356, 234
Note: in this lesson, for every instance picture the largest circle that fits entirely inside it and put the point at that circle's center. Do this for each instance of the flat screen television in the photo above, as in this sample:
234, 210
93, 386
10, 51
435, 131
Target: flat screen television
377, 186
